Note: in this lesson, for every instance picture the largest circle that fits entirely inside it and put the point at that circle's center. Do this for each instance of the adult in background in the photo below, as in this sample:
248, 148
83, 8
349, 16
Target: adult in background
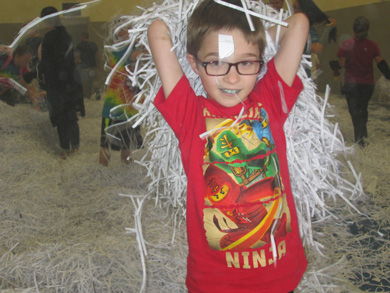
87, 58
59, 78
356, 55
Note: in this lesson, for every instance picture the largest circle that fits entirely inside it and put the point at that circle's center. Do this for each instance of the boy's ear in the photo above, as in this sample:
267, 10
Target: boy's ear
192, 60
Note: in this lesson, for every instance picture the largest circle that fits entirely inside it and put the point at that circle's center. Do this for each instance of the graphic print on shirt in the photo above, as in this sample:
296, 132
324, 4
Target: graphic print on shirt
245, 200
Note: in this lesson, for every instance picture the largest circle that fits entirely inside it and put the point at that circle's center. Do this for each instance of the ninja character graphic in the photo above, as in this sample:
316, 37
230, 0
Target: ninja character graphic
242, 216
244, 198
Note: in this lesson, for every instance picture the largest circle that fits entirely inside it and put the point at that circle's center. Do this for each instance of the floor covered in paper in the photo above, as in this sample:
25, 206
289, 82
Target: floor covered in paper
63, 222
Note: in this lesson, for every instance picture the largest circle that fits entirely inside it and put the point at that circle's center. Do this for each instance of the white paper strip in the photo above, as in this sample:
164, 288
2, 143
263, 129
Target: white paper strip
225, 46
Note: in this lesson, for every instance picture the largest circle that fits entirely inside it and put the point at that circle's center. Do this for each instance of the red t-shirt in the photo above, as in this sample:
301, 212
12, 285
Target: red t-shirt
359, 55
239, 198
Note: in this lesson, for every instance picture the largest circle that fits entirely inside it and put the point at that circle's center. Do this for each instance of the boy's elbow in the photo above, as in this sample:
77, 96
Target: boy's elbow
158, 32
152, 28
157, 26
301, 21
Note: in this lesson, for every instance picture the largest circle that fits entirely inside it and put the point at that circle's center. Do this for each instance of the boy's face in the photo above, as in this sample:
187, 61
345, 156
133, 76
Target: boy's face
230, 89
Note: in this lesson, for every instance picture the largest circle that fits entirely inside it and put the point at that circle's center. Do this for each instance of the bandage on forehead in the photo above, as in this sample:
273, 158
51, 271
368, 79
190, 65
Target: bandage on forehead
225, 46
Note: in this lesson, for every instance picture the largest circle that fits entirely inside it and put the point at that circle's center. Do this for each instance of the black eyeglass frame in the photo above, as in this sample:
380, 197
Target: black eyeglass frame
204, 65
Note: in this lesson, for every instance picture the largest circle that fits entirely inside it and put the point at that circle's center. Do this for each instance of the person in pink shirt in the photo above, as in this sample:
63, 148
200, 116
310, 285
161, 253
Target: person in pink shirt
356, 55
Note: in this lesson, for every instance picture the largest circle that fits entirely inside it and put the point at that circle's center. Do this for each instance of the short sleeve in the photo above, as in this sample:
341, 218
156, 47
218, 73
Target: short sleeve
273, 92
181, 108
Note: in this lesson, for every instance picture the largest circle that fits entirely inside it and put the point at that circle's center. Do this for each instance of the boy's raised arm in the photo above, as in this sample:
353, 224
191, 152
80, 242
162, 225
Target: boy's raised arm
292, 43
167, 64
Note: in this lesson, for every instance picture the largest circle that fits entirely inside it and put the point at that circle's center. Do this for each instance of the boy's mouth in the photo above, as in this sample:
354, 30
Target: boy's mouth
230, 92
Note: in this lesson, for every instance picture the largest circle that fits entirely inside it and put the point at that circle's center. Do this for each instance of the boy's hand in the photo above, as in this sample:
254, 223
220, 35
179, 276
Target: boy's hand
167, 64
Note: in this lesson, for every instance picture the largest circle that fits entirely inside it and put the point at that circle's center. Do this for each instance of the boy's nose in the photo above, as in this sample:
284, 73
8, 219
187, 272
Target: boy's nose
233, 76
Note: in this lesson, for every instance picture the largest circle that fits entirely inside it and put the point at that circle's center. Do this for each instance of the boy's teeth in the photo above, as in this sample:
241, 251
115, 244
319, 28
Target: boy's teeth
230, 91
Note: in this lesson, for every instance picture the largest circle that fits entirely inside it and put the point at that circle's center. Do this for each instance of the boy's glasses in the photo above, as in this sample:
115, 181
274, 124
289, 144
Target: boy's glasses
219, 68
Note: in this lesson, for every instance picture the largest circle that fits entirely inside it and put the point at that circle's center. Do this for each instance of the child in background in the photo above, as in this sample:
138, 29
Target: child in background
241, 219
59, 78
357, 56
116, 133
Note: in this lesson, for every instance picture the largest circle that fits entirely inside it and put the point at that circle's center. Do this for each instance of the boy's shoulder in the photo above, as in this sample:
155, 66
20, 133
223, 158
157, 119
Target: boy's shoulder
270, 77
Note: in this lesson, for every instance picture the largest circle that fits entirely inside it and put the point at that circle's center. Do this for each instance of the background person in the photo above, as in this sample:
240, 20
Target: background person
58, 76
356, 55
119, 93
12, 68
316, 43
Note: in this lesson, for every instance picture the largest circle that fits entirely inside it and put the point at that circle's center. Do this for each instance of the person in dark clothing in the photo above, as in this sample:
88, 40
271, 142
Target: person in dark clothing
58, 76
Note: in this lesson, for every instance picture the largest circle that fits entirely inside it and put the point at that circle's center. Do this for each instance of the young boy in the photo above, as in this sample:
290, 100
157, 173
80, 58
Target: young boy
241, 220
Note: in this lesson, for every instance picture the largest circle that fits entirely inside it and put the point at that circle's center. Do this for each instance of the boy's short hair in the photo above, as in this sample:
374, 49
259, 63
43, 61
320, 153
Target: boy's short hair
210, 16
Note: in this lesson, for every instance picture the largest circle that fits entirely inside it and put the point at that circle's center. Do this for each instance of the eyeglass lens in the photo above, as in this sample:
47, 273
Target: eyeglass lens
223, 68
